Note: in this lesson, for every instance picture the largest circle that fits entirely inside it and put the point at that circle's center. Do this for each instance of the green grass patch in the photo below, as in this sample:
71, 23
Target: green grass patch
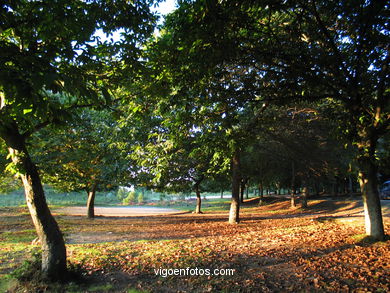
60, 199
22, 236
208, 205
7, 282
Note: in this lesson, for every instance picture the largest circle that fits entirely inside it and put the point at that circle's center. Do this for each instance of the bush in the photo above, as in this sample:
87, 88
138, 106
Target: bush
121, 194
130, 198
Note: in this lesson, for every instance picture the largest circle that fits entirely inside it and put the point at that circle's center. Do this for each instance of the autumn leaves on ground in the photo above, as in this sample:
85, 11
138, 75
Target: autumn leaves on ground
273, 249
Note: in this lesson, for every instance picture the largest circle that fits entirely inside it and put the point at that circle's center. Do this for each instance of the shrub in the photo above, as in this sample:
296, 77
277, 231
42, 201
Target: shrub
130, 198
121, 194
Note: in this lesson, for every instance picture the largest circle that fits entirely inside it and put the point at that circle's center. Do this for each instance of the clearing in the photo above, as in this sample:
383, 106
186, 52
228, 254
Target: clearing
131, 211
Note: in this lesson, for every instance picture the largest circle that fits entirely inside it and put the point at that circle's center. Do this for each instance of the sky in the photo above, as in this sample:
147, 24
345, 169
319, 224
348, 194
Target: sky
163, 9
166, 6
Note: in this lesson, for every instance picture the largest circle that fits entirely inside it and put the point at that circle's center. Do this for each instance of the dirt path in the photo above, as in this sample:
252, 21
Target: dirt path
130, 211
153, 223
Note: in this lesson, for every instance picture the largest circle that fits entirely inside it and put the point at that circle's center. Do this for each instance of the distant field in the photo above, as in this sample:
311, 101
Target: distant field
109, 198
16, 198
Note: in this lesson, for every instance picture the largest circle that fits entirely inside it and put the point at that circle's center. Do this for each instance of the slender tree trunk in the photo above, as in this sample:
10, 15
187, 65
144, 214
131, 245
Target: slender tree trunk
234, 214
293, 187
261, 189
242, 190
221, 193
305, 194
335, 188
49, 234
198, 199
91, 201
316, 189
369, 186
261, 200
350, 184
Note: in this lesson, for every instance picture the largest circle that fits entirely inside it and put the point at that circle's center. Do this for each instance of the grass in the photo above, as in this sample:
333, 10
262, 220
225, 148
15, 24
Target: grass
208, 205
62, 199
57, 199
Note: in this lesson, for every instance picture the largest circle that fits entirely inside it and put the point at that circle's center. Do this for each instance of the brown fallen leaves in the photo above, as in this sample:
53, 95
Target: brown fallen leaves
283, 251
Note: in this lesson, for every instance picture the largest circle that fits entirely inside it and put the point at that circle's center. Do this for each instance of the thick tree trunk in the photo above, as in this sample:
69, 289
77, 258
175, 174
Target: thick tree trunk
369, 186
234, 214
52, 241
91, 201
198, 200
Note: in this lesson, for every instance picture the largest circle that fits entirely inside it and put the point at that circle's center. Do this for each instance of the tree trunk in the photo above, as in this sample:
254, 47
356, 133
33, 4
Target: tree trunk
261, 189
198, 199
234, 214
91, 201
221, 193
369, 186
49, 234
242, 190
335, 187
293, 187
261, 200
316, 189
305, 194
350, 185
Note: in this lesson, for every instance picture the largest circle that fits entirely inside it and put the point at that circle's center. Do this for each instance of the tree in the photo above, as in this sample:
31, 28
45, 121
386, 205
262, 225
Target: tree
219, 101
8, 182
51, 63
301, 50
82, 156
173, 156
343, 45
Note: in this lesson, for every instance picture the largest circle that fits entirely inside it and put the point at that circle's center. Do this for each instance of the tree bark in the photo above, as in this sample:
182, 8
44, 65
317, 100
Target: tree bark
198, 199
91, 201
261, 200
221, 193
369, 186
234, 214
305, 194
49, 234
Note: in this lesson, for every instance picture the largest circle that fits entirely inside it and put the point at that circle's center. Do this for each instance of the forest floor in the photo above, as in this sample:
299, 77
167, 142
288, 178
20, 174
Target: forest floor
273, 249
